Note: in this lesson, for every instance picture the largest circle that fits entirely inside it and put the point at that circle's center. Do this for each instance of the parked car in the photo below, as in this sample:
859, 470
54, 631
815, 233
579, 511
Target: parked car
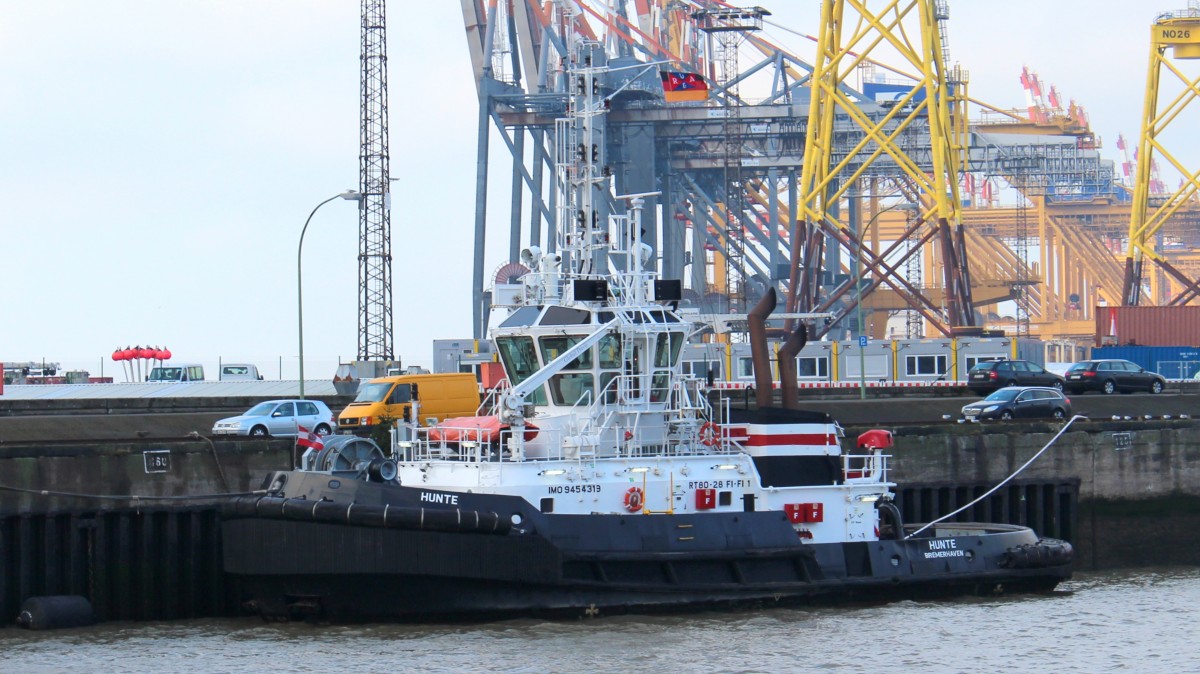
279, 418
1014, 402
240, 372
1111, 376
183, 372
993, 374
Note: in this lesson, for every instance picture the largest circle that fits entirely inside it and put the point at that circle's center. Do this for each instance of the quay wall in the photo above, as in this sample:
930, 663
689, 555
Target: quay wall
1138, 483
133, 525
1113, 460
1132, 460
1124, 493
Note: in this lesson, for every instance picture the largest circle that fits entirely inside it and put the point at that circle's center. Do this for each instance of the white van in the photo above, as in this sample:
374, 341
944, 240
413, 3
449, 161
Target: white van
182, 372
239, 372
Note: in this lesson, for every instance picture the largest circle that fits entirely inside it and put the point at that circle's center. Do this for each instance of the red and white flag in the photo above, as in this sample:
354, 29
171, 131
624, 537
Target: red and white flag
307, 438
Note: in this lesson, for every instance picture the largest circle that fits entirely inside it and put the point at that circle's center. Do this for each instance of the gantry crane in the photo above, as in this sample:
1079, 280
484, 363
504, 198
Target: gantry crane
686, 151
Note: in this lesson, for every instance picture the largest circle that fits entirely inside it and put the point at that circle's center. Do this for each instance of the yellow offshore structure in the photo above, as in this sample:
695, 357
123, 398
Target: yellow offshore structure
851, 35
1174, 40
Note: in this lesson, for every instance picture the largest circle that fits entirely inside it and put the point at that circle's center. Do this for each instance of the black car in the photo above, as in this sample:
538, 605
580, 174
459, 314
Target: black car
993, 374
1111, 376
1033, 402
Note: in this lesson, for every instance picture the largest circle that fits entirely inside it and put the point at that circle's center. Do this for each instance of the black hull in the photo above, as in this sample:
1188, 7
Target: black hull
293, 558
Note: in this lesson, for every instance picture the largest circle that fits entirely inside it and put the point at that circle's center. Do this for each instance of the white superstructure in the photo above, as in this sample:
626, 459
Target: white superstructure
599, 417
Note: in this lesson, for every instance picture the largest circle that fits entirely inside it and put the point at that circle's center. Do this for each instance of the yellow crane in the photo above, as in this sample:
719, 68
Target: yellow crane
1174, 47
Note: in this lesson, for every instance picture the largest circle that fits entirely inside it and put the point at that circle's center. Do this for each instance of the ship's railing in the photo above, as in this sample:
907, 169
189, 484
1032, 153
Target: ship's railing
491, 401
477, 442
634, 289
612, 424
865, 468
484, 442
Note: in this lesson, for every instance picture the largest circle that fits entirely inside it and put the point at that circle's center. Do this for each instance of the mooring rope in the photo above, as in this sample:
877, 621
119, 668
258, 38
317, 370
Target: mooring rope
1002, 482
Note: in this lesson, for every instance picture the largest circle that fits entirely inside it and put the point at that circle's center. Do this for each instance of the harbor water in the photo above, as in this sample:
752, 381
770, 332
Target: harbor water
1129, 621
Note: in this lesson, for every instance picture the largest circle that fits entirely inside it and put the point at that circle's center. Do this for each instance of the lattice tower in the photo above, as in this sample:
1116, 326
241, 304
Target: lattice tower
726, 29
374, 223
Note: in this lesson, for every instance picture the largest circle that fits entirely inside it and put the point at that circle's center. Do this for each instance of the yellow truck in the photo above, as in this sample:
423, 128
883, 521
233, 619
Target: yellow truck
390, 399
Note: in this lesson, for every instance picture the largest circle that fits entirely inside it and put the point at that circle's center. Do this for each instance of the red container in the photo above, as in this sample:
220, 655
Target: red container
1148, 326
706, 499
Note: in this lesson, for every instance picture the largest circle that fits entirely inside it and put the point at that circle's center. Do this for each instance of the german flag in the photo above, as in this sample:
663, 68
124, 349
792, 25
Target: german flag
680, 86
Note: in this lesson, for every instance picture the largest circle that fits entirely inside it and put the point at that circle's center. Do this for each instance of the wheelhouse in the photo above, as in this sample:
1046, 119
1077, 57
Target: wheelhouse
631, 364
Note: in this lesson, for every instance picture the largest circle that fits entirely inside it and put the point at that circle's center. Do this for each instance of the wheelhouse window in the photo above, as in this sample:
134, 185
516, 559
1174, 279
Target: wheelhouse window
610, 352
567, 388
572, 388
522, 316
520, 362
666, 351
609, 355
566, 316
553, 347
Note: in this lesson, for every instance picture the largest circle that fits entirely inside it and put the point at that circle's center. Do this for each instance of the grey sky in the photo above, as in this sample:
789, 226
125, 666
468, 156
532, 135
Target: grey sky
159, 160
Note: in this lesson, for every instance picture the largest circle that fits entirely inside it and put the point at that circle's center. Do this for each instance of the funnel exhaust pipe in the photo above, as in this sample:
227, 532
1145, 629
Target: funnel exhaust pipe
789, 390
757, 320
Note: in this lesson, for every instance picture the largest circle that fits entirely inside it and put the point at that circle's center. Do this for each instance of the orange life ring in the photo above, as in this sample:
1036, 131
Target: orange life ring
633, 499
709, 434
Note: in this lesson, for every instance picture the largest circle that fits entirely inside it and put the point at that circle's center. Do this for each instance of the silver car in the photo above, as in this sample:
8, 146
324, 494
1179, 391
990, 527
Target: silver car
279, 418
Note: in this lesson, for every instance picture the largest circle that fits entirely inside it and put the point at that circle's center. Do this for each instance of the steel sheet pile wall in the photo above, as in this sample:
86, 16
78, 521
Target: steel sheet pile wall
1148, 326
132, 564
133, 535
1050, 508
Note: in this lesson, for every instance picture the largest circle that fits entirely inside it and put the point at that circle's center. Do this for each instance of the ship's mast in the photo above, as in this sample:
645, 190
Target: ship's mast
582, 177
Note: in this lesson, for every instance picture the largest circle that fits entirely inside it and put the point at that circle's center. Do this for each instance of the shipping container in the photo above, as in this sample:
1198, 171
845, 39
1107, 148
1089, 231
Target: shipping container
1172, 362
1148, 326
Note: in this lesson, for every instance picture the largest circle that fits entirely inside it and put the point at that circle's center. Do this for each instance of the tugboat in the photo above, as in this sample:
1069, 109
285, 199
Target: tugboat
603, 481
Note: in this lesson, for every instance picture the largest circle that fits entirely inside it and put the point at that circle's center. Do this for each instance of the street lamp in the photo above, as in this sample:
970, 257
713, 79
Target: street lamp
349, 195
